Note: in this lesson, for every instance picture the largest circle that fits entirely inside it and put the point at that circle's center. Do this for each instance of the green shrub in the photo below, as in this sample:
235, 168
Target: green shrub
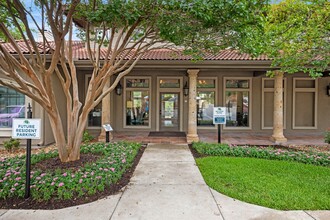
11, 144
327, 136
270, 153
87, 137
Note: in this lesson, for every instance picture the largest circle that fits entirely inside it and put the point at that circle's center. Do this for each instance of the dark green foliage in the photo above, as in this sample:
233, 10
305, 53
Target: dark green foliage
198, 25
11, 144
327, 137
270, 153
87, 137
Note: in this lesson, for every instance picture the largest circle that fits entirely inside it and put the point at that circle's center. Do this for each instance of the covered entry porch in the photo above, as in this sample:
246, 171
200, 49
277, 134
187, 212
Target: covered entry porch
234, 138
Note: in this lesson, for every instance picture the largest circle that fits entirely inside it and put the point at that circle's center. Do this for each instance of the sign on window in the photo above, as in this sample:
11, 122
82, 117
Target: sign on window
219, 115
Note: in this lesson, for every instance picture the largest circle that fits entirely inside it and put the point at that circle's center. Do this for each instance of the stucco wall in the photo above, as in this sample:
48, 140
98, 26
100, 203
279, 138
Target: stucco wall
302, 100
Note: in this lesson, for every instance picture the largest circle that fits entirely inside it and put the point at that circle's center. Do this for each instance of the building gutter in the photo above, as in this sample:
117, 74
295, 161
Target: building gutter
188, 64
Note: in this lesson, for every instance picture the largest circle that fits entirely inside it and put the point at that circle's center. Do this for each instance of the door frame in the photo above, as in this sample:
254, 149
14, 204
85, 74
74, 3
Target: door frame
169, 90
177, 120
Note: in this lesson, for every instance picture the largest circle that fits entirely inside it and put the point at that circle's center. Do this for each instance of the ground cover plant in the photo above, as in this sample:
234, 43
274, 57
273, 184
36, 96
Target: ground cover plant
281, 178
53, 181
264, 152
281, 185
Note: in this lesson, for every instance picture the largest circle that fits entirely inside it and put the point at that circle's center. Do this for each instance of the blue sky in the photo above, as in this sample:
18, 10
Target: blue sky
37, 15
36, 12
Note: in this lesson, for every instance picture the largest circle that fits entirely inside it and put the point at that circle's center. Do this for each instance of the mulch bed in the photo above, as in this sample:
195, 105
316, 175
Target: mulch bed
73, 165
21, 203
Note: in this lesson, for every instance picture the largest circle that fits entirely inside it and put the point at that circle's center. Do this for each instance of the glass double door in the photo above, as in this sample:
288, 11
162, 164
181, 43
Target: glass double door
169, 111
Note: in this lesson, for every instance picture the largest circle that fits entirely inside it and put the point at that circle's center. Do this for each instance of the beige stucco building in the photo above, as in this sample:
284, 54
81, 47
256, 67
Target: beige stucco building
172, 93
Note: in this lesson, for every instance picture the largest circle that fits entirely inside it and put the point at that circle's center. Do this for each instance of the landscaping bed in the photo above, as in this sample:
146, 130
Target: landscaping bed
304, 154
103, 170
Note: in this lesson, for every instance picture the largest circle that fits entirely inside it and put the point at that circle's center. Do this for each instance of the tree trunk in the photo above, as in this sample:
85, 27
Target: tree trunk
68, 151
61, 144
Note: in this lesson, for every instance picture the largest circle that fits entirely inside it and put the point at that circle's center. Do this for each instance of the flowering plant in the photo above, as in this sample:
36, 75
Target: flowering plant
114, 159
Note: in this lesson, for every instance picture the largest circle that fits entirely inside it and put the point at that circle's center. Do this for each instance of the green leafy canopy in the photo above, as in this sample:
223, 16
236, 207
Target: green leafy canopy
195, 24
296, 36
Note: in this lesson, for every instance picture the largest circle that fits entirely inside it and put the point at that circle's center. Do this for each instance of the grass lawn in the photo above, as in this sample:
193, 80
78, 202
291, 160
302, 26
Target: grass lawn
276, 184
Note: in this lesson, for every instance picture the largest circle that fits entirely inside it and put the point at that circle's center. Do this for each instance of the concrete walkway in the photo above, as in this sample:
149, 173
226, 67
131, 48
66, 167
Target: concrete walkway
166, 185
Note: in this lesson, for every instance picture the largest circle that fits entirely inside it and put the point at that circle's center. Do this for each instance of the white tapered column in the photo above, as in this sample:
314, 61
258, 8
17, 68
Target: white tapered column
278, 136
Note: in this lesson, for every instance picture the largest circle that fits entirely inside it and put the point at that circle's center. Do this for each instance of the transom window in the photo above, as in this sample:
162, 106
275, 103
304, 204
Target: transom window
137, 83
237, 102
169, 83
237, 83
206, 83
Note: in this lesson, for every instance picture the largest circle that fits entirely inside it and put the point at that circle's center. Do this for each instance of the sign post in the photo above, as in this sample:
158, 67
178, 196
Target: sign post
27, 129
107, 128
28, 160
219, 118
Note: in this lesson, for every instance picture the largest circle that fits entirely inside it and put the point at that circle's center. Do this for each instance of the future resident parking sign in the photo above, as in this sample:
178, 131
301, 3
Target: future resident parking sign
24, 128
219, 115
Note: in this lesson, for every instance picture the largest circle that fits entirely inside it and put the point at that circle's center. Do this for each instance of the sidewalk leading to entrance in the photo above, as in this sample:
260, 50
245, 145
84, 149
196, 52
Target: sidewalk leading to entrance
166, 184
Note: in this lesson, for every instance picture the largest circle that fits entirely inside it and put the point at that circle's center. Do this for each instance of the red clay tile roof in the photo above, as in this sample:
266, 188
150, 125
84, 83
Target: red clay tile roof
24, 48
80, 53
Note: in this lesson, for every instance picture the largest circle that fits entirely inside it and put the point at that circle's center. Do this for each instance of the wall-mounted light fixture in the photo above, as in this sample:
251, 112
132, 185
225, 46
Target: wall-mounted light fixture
119, 89
328, 89
186, 89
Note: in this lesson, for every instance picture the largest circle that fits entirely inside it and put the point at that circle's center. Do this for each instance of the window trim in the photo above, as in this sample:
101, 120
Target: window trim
264, 90
215, 90
136, 89
311, 90
7, 132
239, 90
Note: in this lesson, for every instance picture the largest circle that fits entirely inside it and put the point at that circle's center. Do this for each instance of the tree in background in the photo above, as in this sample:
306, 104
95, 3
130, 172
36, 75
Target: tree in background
119, 29
6, 19
296, 36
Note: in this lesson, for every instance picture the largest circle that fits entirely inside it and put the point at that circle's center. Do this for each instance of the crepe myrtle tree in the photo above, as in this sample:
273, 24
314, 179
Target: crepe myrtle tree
117, 34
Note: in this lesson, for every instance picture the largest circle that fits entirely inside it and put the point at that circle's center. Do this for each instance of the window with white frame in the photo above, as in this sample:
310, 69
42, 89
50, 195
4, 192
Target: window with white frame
238, 102
137, 105
206, 92
94, 116
268, 103
12, 105
304, 103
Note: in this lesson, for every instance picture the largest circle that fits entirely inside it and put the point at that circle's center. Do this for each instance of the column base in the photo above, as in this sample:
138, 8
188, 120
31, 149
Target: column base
192, 138
278, 139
